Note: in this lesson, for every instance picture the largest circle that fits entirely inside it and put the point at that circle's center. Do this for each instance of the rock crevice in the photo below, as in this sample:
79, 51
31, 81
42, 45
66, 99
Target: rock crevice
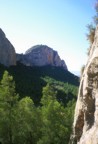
85, 130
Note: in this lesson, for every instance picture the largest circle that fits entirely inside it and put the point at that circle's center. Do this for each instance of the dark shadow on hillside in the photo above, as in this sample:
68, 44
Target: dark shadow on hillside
30, 80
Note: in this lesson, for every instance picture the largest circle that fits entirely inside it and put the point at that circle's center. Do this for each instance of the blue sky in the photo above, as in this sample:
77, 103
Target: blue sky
60, 24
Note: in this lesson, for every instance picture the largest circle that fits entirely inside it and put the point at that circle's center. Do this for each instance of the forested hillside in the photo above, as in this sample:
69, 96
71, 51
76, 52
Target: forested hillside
36, 104
30, 81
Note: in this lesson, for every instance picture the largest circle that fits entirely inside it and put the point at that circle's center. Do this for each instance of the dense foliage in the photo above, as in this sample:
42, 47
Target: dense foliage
31, 80
22, 122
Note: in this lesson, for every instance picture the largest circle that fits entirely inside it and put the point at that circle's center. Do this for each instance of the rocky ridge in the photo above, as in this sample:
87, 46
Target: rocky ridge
85, 127
41, 55
7, 51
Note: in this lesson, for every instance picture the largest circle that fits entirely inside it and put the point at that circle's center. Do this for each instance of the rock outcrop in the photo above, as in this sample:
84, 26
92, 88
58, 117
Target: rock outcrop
41, 55
7, 51
85, 127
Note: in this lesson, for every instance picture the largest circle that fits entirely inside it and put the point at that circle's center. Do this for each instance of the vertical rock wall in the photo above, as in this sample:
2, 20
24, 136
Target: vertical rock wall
7, 51
85, 127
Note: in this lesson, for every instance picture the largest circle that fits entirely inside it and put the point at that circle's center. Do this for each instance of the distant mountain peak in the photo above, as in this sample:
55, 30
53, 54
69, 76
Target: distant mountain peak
36, 47
38, 55
41, 55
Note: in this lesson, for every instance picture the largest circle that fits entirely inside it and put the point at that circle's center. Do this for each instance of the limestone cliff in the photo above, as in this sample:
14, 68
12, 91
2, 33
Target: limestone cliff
41, 55
7, 51
85, 127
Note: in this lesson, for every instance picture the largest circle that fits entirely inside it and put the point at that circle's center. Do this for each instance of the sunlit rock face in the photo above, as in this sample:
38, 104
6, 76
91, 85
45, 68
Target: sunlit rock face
41, 55
7, 51
85, 127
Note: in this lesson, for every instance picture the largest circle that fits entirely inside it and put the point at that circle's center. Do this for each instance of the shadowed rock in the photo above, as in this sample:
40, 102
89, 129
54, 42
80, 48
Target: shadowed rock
7, 51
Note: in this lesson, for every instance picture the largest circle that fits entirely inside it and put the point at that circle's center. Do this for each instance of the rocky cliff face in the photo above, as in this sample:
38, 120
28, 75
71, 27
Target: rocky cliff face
86, 112
7, 51
41, 55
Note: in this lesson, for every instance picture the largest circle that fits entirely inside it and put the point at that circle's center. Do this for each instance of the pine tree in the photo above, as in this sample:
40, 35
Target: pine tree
8, 104
55, 127
28, 122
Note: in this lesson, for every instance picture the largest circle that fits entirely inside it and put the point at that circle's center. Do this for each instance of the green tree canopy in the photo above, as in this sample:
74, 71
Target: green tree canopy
8, 104
55, 128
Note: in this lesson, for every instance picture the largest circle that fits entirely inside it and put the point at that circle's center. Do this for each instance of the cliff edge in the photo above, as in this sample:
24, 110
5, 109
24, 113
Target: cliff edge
7, 51
85, 127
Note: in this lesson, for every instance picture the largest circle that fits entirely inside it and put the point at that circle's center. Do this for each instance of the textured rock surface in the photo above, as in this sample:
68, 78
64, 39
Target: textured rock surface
41, 55
7, 51
86, 112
